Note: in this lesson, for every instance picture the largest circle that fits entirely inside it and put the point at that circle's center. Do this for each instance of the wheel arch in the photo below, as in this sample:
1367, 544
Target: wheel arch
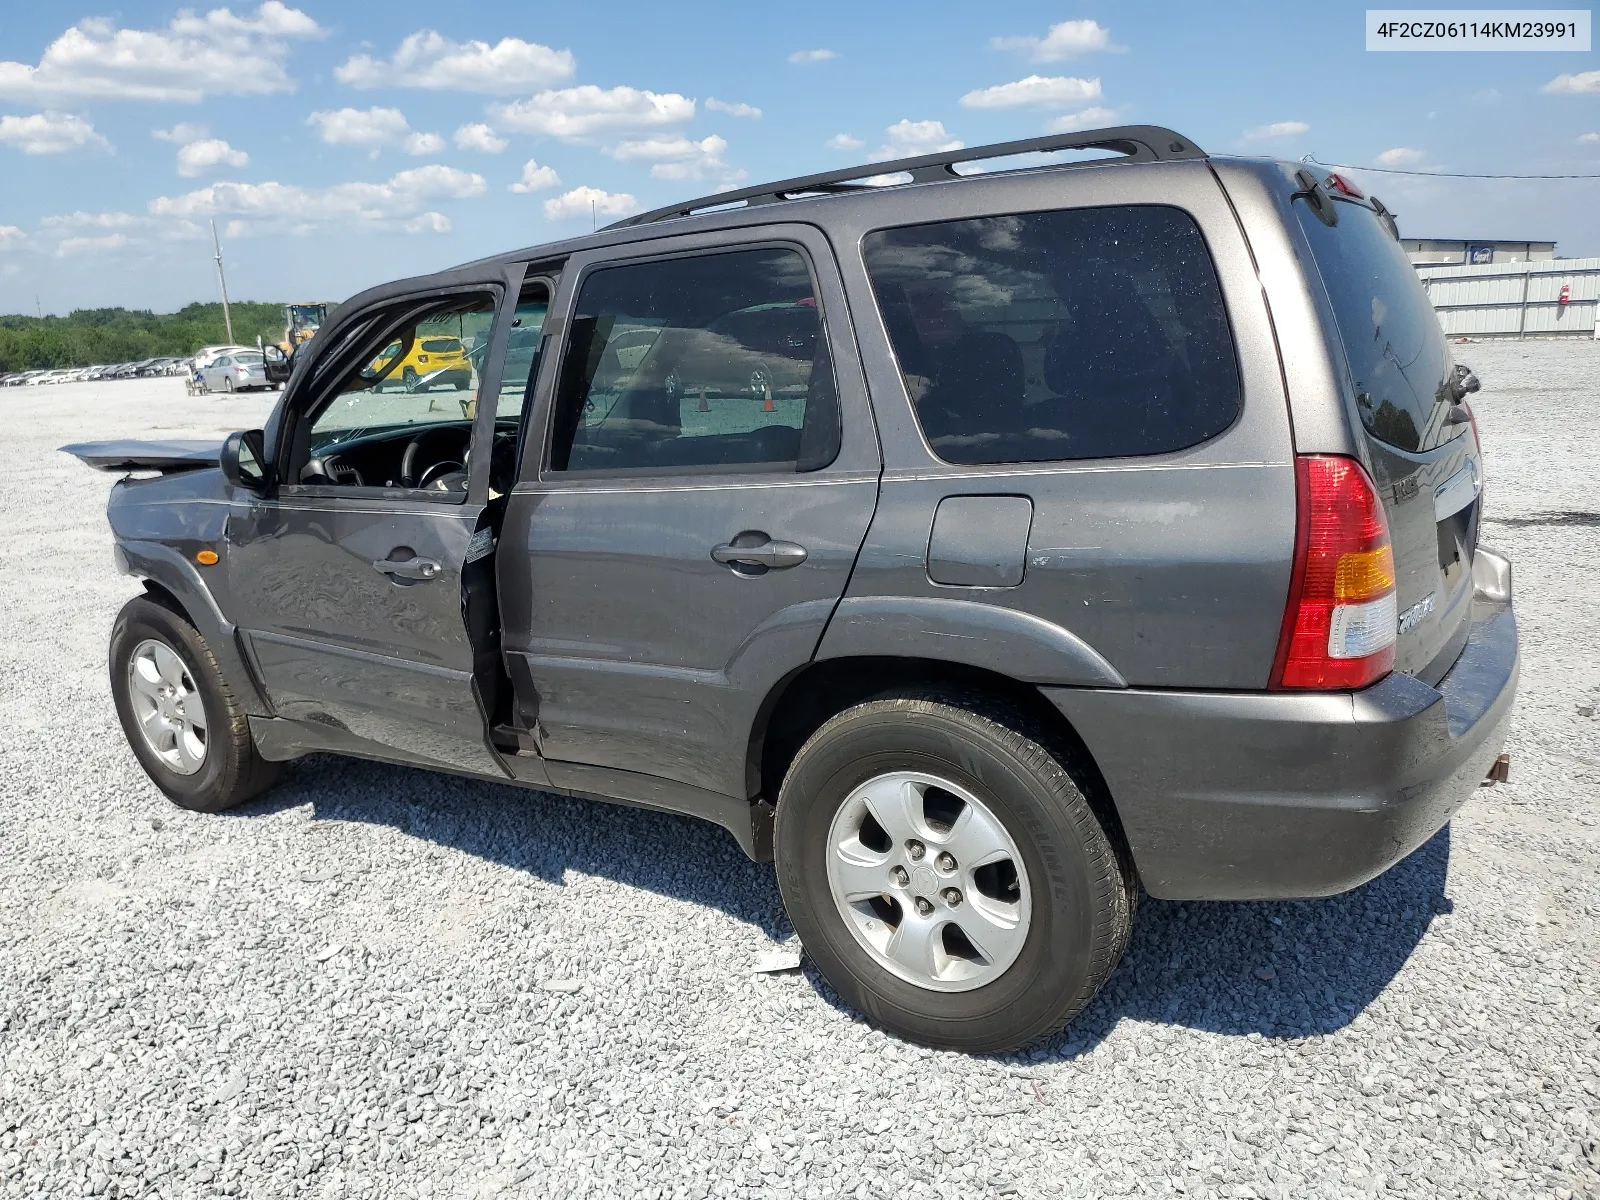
170, 581
800, 703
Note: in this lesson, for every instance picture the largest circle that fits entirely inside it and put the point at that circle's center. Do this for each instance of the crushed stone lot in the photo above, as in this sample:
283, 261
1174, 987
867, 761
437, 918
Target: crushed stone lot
381, 982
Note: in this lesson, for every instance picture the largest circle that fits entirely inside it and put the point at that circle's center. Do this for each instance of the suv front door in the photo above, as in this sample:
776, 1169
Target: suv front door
347, 580
681, 535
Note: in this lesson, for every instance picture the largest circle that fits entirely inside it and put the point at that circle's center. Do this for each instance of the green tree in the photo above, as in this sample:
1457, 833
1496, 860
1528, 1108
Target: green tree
92, 336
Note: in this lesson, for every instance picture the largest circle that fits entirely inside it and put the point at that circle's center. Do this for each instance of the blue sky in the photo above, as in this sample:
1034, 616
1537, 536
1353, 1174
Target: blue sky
339, 146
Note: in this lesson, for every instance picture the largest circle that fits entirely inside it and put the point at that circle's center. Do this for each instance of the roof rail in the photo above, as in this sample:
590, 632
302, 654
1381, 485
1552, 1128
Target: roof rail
1137, 143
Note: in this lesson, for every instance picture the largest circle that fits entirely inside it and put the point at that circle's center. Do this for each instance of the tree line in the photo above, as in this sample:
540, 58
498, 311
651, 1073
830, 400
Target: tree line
91, 336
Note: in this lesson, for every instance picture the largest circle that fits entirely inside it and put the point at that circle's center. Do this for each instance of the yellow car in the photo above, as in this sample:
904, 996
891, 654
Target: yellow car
431, 360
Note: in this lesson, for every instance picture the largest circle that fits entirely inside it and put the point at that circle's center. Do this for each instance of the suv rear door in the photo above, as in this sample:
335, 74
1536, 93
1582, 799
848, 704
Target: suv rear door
1420, 448
677, 543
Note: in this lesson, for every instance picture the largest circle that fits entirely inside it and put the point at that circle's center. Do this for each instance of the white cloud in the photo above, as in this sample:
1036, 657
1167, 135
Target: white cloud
536, 178
582, 201
844, 141
678, 158
1068, 39
1036, 91
580, 112
1587, 83
83, 245
197, 158
217, 54
403, 199
1086, 119
11, 237
428, 222
373, 128
89, 220
183, 133
479, 137
50, 133
1589, 137
1400, 156
909, 138
360, 126
84, 231
732, 109
1278, 129
804, 58
429, 60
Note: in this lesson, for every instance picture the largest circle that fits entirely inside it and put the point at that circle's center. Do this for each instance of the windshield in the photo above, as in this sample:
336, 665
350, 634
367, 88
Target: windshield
1400, 363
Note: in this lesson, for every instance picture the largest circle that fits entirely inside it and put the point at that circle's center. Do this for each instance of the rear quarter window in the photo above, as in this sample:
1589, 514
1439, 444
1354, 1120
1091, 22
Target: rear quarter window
1048, 336
1400, 363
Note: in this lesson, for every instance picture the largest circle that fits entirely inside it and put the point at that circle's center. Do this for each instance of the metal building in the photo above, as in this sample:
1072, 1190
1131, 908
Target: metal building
1520, 299
1475, 251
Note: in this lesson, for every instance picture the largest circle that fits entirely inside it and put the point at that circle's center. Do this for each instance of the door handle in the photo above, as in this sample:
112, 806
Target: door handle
408, 568
757, 549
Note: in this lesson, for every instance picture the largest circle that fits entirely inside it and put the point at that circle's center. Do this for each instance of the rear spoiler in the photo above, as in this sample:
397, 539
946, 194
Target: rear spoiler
166, 457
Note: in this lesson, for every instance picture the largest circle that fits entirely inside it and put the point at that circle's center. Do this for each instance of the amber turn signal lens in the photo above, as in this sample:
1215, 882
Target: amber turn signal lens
206, 558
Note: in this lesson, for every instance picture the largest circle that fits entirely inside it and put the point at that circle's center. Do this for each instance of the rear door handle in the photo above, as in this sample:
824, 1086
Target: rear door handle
757, 549
407, 568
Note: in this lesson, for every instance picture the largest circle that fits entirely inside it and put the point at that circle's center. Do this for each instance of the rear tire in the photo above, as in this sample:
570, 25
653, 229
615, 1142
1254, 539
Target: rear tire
207, 765
1070, 895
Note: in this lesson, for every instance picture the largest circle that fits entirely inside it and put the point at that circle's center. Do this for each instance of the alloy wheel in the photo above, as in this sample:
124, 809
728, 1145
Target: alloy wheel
167, 706
929, 881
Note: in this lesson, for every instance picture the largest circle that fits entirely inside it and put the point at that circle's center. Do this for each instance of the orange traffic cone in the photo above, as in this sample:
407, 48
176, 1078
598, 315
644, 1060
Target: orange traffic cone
704, 407
766, 398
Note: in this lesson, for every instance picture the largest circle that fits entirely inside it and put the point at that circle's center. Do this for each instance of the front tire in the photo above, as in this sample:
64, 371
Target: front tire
1003, 904
178, 713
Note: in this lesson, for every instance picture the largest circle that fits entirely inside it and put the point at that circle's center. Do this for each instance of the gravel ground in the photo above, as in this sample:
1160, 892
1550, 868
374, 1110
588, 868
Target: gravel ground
383, 982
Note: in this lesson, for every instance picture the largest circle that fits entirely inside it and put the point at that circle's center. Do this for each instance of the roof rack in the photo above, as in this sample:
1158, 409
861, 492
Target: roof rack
1137, 143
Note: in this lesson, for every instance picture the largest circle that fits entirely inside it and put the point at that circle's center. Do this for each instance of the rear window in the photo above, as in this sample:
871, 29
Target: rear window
1086, 333
1399, 361
441, 345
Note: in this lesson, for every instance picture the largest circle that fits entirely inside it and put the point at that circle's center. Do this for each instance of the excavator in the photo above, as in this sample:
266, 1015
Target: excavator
301, 322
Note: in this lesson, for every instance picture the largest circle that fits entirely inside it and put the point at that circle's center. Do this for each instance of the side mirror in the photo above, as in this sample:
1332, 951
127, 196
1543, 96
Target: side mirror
242, 459
1466, 382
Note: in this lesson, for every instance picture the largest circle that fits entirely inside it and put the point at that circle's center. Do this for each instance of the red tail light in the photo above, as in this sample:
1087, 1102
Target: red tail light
1339, 628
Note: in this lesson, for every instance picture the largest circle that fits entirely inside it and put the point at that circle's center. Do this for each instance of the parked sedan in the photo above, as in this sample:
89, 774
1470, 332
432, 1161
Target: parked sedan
235, 372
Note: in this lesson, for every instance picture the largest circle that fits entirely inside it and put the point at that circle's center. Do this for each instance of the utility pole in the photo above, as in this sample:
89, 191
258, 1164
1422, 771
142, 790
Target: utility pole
222, 279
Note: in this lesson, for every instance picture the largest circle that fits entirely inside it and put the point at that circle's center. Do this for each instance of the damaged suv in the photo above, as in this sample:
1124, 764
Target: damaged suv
983, 548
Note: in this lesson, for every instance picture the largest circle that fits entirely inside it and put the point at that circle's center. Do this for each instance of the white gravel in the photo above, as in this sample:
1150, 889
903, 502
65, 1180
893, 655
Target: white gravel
382, 982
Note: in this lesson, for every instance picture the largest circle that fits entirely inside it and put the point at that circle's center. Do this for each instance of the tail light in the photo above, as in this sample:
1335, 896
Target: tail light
1339, 628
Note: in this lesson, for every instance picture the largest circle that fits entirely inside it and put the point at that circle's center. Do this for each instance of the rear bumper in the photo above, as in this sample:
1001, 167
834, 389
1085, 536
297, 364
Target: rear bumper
1254, 796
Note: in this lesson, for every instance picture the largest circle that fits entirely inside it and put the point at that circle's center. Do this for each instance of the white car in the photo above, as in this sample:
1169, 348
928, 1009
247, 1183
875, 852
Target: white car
236, 371
206, 355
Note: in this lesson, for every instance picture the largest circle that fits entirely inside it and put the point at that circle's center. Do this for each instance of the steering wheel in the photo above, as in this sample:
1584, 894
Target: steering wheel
408, 462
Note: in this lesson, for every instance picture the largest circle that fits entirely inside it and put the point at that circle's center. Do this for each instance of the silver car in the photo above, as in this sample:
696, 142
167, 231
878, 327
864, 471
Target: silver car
235, 372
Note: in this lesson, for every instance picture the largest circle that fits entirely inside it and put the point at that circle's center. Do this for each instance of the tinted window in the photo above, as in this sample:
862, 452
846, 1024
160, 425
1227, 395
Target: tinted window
1058, 335
522, 351
1399, 360
716, 360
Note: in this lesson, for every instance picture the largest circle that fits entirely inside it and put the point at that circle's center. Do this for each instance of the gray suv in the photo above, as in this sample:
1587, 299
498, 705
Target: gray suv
1080, 527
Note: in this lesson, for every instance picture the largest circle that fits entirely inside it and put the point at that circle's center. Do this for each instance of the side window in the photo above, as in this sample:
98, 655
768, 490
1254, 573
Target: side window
522, 351
711, 360
1084, 333
414, 371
